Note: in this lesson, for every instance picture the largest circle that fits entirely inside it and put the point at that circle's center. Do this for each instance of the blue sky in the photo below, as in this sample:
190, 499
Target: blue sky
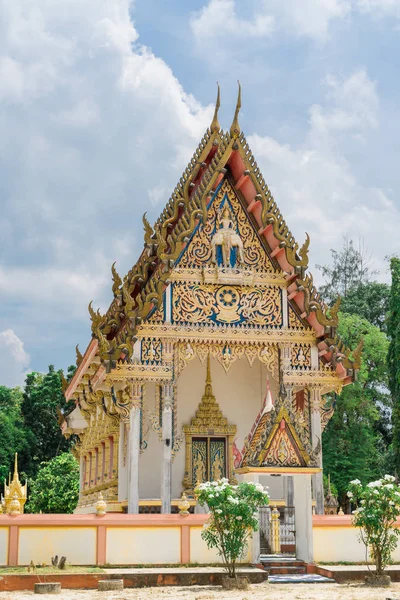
102, 103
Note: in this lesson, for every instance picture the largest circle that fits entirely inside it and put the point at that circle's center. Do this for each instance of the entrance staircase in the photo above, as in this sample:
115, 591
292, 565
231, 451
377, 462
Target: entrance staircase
282, 568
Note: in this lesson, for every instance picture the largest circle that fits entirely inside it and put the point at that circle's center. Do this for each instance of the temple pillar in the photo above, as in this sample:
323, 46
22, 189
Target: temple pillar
316, 439
167, 413
254, 542
303, 517
122, 467
134, 448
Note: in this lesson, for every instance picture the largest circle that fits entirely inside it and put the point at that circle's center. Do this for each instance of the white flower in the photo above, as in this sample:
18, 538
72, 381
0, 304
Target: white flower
349, 494
389, 478
355, 482
239, 518
389, 486
218, 511
375, 484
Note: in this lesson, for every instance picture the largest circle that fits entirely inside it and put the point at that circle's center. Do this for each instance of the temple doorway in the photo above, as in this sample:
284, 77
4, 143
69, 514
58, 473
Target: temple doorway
208, 458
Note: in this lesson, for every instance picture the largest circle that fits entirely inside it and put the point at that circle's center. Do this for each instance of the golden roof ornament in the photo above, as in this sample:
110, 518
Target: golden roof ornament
235, 127
14, 492
215, 126
79, 356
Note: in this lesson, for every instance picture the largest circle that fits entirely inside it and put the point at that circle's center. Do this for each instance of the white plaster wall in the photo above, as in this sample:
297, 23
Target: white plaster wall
151, 458
3, 545
341, 544
239, 393
143, 545
78, 544
275, 486
199, 553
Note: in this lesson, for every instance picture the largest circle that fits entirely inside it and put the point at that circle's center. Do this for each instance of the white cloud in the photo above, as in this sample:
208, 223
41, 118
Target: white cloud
379, 8
14, 361
351, 109
219, 19
316, 187
92, 121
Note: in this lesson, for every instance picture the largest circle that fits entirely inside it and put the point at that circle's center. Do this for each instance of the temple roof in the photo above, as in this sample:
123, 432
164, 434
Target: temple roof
219, 155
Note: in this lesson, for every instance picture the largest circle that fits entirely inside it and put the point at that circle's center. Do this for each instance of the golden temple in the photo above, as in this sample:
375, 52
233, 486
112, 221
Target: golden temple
220, 289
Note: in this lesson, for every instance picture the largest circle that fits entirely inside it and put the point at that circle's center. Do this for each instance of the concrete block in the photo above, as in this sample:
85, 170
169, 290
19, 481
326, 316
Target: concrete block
47, 588
108, 585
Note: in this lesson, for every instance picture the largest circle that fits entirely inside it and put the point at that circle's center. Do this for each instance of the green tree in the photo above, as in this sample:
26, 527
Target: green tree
56, 487
348, 270
43, 402
394, 358
350, 277
355, 440
13, 436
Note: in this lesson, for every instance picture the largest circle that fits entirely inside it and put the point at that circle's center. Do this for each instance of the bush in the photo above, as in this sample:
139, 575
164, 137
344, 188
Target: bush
233, 518
378, 506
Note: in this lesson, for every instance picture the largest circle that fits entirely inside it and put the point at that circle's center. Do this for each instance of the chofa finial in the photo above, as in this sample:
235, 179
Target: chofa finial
235, 127
215, 126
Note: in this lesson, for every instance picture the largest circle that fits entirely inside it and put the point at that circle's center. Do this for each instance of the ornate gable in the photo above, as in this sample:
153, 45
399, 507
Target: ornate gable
224, 250
277, 442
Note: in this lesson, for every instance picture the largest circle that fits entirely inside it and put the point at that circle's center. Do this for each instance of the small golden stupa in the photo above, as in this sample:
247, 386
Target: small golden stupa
14, 490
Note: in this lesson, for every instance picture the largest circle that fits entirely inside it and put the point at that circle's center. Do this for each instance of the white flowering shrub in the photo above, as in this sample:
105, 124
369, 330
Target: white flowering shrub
378, 506
233, 517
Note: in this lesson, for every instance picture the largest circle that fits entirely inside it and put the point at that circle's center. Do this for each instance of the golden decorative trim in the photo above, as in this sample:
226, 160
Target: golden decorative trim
278, 470
232, 276
211, 333
146, 372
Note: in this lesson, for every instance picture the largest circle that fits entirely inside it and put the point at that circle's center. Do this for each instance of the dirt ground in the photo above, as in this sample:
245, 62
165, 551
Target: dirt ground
264, 591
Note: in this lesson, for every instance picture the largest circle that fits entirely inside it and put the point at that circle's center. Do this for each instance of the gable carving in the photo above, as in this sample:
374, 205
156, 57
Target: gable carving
226, 304
225, 214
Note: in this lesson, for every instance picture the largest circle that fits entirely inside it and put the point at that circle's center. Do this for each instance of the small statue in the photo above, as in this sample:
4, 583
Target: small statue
101, 506
184, 505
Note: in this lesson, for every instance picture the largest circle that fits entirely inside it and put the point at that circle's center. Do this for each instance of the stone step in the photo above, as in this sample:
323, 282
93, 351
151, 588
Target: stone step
286, 570
306, 578
282, 563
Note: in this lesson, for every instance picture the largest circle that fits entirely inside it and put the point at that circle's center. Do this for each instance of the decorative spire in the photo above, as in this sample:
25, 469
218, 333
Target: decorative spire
215, 126
16, 478
208, 376
235, 127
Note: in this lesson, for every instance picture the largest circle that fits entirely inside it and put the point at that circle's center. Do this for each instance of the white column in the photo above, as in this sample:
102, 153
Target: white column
134, 449
167, 399
316, 437
122, 470
254, 543
303, 517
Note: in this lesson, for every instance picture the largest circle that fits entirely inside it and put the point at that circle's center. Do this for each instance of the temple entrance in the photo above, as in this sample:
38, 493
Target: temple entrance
208, 442
208, 458
277, 530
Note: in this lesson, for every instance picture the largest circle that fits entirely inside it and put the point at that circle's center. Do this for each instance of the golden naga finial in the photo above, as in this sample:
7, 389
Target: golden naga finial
95, 316
235, 127
117, 281
215, 126
79, 356
357, 354
64, 382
